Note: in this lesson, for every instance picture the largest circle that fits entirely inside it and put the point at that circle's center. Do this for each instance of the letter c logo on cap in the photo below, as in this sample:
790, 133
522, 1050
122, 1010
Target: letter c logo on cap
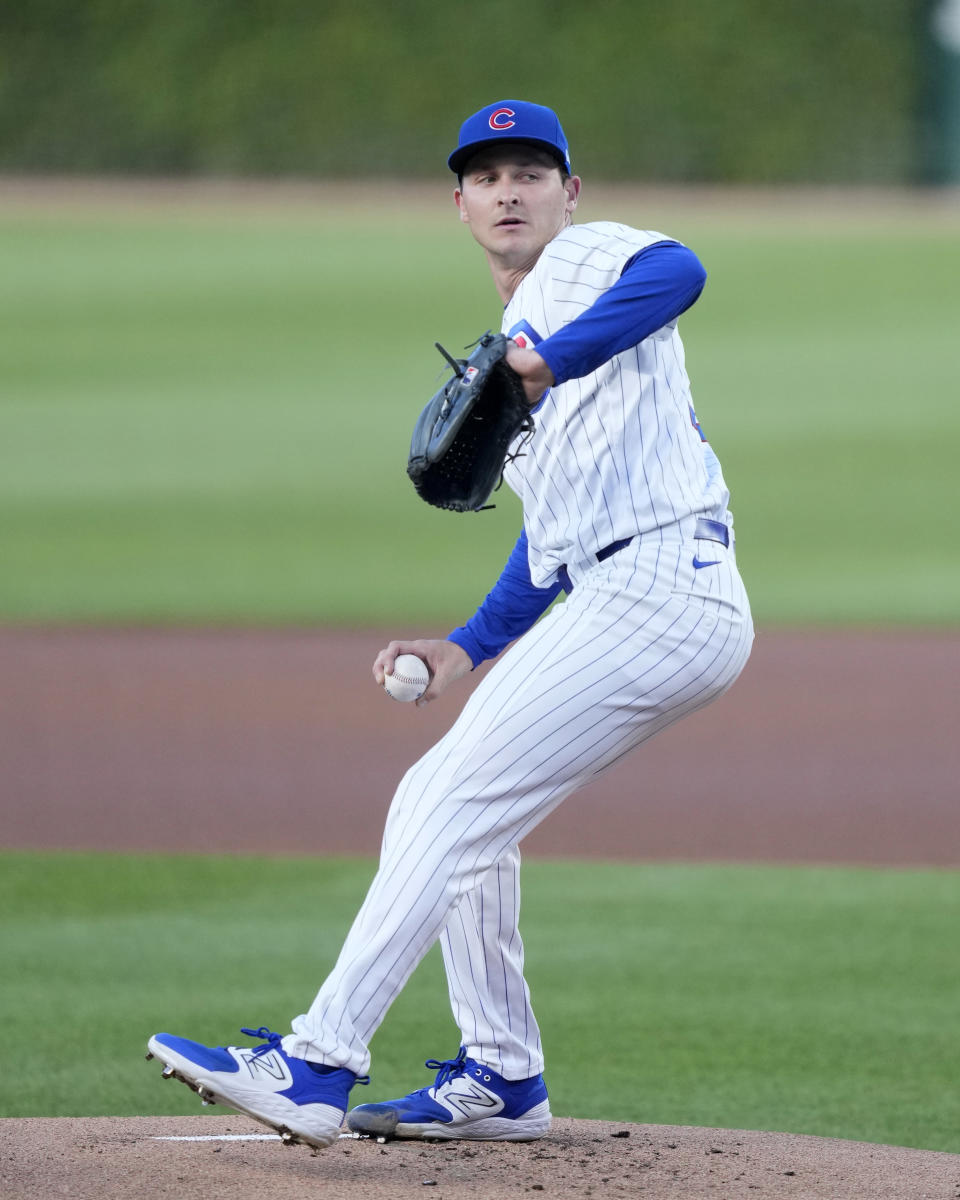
501, 119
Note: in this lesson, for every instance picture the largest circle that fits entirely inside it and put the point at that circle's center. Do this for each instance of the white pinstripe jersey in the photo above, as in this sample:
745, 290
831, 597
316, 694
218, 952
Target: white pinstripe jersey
617, 452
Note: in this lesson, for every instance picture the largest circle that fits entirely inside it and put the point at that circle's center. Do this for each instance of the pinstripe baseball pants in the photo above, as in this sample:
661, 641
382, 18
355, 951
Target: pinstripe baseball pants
644, 638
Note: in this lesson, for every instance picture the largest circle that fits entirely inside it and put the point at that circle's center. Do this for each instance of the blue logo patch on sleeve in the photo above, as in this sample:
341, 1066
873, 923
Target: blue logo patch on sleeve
525, 335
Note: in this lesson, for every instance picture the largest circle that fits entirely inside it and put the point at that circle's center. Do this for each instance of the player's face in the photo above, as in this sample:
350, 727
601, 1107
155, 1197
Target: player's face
515, 201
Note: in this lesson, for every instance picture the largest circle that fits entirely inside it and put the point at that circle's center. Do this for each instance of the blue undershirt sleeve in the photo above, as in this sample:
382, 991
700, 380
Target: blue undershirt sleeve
511, 608
656, 285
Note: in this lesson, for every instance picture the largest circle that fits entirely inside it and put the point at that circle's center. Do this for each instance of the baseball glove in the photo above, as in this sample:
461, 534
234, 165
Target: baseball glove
462, 437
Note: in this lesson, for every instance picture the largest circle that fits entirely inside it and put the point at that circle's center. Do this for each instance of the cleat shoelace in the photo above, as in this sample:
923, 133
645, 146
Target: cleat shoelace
272, 1041
446, 1069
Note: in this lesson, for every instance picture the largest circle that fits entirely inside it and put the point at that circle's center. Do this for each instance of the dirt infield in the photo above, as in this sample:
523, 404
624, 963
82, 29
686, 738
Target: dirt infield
832, 748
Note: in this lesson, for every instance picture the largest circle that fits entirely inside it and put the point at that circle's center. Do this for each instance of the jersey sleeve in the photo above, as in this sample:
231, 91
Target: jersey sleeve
656, 285
511, 608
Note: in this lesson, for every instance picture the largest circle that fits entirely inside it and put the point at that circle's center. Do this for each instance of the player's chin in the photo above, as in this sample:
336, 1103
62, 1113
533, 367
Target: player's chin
516, 245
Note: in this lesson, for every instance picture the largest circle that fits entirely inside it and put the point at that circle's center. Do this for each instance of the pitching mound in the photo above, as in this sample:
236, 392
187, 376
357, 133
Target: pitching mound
113, 1158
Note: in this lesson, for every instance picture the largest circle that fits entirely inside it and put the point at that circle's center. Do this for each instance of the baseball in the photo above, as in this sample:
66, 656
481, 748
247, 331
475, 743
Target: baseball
409, 679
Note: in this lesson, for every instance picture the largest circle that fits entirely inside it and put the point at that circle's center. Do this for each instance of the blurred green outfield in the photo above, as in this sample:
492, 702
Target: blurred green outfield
205, 409
818, 1001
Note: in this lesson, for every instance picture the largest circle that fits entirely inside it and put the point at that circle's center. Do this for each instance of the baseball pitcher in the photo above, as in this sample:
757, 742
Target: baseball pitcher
625, 513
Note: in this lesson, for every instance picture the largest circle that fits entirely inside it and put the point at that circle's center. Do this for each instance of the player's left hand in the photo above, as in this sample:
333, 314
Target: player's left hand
532, 369
446, 662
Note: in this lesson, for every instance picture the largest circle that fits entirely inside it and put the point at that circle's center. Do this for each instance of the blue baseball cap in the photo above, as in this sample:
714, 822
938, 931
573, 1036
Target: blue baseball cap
511, 121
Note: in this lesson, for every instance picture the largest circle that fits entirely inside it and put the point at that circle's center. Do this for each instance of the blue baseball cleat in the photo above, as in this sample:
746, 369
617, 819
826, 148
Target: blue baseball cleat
303, 1101
467, 1100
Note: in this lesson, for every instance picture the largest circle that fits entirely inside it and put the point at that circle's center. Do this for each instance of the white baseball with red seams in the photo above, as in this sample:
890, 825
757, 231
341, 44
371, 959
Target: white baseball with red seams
409, 679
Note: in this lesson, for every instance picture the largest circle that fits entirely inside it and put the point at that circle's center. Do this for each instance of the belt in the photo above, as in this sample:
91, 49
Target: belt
706, 530
712, 531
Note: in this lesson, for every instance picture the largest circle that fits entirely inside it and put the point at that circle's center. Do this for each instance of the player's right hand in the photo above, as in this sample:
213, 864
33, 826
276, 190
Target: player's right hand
532, 369
446, 661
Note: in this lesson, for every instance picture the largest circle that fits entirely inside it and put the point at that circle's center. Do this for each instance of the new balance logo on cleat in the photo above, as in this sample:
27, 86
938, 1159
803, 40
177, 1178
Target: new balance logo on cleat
266, 1064
476, 1098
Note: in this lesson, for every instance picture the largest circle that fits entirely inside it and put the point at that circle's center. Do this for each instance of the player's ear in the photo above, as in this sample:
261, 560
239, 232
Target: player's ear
571, 186
461, 205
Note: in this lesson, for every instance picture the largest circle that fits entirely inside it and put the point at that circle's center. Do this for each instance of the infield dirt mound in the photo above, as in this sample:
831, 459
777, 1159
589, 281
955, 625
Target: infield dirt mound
113, 1158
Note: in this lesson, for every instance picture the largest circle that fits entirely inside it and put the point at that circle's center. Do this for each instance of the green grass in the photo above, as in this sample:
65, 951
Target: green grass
205, 416
818, 1001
